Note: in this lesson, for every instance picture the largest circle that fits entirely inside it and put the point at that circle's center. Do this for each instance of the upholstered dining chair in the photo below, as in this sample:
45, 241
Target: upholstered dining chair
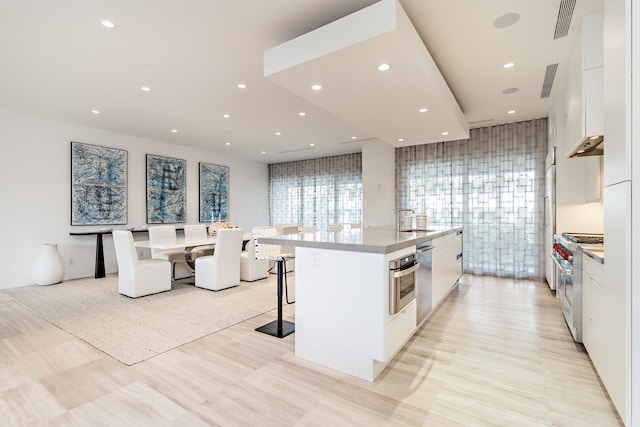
307, 229
137, 278
167, 232
222, 269
197, 231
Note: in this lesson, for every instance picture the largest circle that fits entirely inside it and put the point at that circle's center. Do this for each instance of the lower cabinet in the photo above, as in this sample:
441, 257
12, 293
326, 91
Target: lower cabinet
592, 333
447, 265
399, 330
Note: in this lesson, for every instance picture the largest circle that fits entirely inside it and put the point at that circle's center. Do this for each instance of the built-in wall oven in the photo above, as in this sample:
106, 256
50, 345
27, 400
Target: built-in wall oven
402, 282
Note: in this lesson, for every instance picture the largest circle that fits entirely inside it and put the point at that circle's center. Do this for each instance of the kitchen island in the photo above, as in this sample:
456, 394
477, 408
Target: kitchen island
342, 293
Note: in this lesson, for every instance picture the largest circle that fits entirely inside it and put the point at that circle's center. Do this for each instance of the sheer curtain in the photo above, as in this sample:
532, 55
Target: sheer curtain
316, 192
493, 185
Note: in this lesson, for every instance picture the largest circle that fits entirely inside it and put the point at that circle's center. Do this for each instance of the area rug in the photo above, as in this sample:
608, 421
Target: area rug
133, 330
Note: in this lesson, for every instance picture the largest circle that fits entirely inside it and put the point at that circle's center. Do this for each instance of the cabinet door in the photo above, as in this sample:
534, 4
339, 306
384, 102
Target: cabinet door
439, 274
591, 294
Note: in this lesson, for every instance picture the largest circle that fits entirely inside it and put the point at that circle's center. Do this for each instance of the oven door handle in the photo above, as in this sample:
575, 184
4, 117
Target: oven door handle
557, 263
406, 272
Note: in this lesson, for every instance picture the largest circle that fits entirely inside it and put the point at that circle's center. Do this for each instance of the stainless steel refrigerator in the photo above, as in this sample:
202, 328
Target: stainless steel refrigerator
550, 216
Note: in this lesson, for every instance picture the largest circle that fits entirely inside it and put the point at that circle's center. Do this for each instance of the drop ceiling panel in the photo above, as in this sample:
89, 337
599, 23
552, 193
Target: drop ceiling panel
343, 57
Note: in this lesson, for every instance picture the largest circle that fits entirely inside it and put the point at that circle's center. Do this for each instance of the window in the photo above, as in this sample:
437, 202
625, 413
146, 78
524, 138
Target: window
493, 185
316, 192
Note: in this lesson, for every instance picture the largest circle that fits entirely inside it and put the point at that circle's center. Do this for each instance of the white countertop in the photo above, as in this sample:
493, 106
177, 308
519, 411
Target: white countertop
383, 240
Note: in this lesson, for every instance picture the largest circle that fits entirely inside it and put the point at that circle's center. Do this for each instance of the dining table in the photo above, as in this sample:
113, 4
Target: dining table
186, 243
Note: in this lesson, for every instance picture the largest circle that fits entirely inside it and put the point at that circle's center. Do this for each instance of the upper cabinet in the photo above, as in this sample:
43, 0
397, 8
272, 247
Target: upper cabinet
617, 124
579, 179
592, 41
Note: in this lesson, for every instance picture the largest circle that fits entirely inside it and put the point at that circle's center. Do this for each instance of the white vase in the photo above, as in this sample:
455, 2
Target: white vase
48, 268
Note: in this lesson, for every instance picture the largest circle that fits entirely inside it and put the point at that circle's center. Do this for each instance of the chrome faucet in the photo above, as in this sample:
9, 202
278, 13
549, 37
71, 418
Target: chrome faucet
398, 220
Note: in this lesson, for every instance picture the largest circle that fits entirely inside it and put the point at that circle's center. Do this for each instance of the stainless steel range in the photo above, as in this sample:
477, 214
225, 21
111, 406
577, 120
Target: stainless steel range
568, 261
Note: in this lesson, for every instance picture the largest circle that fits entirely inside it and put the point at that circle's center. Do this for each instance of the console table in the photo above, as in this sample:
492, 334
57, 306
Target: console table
99, 269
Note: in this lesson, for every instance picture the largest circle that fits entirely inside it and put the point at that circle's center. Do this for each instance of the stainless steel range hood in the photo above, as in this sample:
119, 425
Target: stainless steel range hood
592, 145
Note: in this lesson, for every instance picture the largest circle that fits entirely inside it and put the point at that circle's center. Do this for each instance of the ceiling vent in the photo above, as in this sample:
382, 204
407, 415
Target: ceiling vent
295, 150
565, 13
549, 76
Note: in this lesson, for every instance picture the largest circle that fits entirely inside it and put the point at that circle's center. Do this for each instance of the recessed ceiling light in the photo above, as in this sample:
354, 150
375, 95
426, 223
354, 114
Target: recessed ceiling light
353, 137
107, 24
95, 111
302, 114
242, 85
509, 64
174, 130
226, 116
423, 110
510, 90
312, 145
146, 88
511, 112
278, 133
316, 87
384, 67
444, 133
264, 152
400, 139
506, 20
227, 143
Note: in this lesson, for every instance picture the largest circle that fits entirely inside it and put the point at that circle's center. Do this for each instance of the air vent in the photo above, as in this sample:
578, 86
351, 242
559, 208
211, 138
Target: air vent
358, 140
294, 150
565, 13
549, 76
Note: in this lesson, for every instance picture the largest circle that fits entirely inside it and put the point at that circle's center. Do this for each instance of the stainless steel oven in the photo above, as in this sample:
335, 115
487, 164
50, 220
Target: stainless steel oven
402, 282
568, 262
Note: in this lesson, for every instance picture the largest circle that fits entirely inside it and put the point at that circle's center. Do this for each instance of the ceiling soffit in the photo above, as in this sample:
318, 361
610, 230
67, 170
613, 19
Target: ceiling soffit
343, 57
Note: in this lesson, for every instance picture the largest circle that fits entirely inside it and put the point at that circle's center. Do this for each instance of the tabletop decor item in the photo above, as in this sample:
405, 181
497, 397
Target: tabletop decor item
98, 185
48, 268
215, 226
166, 190
214, 192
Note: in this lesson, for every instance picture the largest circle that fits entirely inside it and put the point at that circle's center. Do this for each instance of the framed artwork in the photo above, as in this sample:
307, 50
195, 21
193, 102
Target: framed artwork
214, 192
98, 185
166, 190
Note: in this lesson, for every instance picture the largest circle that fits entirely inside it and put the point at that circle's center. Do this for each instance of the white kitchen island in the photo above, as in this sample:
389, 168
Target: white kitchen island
342, 315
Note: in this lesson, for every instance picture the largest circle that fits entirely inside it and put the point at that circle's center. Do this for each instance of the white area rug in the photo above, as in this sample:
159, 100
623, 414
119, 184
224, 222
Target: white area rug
133, 330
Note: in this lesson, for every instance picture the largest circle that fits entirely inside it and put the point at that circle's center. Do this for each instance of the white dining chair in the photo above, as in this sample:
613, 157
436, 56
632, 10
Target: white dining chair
308, 229
251, 268
197, 231
167, 232
137, 278
335, 227
222, 269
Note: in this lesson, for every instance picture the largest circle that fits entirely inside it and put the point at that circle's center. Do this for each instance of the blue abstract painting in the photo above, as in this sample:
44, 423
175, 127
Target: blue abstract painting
214, 193
166, 190
98, 185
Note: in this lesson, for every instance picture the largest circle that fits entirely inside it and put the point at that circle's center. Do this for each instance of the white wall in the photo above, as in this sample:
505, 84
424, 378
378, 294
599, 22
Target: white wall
378, 184
36, 185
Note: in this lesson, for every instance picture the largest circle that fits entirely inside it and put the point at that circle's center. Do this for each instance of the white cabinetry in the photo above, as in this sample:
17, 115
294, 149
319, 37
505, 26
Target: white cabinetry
447, 265
617, 87
579, 179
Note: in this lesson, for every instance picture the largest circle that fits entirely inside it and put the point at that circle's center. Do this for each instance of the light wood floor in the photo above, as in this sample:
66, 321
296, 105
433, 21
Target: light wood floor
497, 352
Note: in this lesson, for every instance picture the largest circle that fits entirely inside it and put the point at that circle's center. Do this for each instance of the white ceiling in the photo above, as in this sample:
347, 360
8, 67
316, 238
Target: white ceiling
58, 62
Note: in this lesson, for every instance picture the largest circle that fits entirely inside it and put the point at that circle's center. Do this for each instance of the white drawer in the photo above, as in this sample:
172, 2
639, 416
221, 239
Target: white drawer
399, 330
594, 269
